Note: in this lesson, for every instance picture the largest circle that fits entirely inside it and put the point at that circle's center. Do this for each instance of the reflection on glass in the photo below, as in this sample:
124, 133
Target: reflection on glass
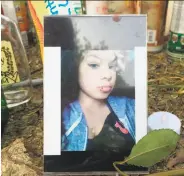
15, 72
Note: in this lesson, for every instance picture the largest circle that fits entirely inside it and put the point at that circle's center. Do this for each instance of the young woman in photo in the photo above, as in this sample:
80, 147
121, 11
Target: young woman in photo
93, 119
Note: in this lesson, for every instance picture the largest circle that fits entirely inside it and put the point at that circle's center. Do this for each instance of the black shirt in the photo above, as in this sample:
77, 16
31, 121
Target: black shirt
112, 144
113, 137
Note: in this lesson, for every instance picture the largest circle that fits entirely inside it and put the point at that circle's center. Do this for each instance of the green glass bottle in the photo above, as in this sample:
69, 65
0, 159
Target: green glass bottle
4, 112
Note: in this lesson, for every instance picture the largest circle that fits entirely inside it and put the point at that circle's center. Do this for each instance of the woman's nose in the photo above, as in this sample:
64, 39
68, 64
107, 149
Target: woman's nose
106, 74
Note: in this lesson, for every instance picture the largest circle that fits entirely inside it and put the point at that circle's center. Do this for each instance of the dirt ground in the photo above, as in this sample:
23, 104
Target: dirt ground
22, 143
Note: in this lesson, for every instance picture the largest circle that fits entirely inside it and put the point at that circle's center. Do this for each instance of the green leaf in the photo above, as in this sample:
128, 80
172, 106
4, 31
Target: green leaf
152, 148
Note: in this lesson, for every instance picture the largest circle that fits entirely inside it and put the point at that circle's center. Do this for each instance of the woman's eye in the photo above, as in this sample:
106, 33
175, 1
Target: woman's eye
93, 65
112, 67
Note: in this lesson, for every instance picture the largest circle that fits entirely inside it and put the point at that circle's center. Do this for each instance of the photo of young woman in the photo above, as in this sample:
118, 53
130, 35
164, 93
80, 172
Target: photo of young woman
95, 112
94, 119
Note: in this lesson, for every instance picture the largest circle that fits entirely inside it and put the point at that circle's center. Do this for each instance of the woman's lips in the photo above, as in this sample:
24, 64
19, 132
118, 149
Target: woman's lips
105, 89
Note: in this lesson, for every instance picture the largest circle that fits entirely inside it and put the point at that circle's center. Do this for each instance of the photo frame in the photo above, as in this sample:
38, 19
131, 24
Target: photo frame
106, 62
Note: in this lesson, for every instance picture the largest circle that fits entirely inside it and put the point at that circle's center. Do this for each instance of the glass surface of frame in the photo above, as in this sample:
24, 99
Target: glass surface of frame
101, 99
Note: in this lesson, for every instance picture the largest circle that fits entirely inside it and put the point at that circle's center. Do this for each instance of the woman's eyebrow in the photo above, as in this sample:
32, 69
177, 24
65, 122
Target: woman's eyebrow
93, 55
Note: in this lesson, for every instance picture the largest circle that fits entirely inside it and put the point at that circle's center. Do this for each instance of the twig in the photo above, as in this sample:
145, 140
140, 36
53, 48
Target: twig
35, 71
177, 172
35, 82
165, 86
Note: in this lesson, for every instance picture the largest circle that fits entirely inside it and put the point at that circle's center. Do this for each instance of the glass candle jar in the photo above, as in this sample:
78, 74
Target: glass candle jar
15, 71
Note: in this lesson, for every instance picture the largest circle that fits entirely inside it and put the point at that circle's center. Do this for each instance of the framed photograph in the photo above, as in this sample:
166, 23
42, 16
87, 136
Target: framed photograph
95, 91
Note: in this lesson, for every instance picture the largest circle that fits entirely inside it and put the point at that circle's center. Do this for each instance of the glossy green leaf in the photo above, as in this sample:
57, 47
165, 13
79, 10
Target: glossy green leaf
151, 149
154, 147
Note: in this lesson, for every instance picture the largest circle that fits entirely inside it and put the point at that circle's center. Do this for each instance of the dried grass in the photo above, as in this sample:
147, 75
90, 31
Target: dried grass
166, 93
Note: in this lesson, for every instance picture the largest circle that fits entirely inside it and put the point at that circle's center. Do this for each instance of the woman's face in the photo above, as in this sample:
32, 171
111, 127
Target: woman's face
97, 73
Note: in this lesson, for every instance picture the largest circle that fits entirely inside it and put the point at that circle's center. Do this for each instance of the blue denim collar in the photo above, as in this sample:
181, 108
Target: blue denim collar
76, 108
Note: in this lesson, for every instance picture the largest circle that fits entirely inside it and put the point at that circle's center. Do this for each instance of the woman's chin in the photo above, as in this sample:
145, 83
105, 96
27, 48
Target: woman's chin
101, 96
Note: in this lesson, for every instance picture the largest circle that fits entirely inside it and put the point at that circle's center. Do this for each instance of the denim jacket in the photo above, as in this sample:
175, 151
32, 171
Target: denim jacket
76, 131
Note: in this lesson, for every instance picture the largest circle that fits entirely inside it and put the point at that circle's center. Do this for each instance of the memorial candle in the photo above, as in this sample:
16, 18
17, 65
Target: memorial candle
164, 120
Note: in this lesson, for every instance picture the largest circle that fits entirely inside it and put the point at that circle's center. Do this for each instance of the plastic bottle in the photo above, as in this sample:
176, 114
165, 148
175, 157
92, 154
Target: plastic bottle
156, 11
175, 46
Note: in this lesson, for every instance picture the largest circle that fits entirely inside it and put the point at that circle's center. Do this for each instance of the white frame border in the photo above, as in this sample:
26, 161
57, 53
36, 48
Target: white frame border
52, 101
